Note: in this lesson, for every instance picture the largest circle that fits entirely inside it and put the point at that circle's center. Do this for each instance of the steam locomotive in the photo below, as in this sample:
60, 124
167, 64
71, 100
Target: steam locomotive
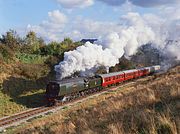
71, 88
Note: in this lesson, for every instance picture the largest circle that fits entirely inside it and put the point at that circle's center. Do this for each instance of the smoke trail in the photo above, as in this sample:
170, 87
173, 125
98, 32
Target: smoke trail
134, 34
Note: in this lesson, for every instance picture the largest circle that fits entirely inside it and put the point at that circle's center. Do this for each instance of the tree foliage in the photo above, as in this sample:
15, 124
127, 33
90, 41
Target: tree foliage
53, 48
31, 44
11, 39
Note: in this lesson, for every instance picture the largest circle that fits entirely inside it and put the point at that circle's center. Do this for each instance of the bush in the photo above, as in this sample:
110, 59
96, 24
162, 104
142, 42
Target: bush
11, 39
51, 61
31, 58
33, 71
6, 53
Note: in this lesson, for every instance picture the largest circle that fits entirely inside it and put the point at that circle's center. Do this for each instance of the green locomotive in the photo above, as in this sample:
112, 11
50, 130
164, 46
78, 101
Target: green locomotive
69, 88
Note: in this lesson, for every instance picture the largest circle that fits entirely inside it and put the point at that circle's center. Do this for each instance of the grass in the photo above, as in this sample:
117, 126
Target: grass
22, 86
18, 94
9, 105
147, 107
31, 58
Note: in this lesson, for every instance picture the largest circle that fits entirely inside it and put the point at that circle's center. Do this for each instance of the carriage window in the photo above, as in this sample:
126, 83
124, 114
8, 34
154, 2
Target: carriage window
106, 79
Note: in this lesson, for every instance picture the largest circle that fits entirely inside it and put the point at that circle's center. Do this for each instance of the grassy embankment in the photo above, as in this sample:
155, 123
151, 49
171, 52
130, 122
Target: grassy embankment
22, 83
150, 106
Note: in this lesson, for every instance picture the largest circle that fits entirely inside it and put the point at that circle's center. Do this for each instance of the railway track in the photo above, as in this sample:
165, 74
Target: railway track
19, 116
14, 119
24, 116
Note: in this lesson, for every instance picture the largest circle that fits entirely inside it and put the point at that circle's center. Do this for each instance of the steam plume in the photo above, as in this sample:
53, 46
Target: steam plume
135, 31
113, 47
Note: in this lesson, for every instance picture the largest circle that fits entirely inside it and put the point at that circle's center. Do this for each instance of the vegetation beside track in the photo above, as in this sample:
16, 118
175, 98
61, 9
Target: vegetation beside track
26, 65
151, 105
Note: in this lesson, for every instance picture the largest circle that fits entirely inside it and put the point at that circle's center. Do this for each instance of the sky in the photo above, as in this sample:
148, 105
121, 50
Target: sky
56, 19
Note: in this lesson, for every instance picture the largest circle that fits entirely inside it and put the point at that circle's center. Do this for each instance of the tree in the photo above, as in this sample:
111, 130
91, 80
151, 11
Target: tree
66, 43
53, 48
11, 39
33, 43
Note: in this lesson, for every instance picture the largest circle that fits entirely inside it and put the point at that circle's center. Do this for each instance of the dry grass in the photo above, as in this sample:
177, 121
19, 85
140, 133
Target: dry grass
8, 107
3, 76
151, 106
17, 92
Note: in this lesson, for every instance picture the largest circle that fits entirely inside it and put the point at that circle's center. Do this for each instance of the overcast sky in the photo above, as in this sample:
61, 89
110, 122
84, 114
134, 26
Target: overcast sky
56, 19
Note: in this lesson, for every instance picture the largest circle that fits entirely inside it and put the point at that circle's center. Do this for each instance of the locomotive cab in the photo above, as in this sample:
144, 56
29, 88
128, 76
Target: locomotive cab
52, 91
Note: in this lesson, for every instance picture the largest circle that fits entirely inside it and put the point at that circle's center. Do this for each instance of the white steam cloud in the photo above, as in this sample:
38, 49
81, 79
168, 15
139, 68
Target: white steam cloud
134, 34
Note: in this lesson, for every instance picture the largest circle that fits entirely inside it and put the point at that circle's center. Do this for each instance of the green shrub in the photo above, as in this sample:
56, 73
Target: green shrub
31, 58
